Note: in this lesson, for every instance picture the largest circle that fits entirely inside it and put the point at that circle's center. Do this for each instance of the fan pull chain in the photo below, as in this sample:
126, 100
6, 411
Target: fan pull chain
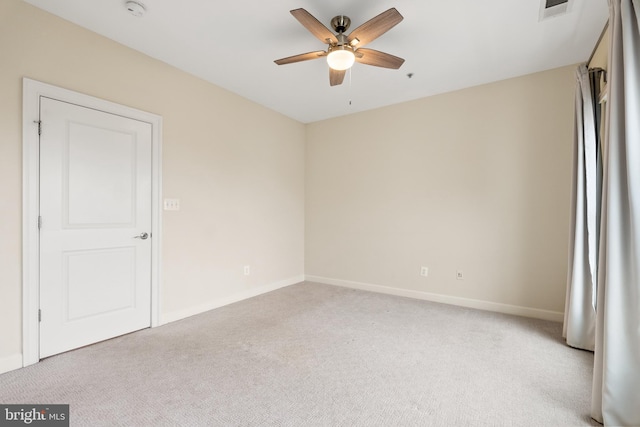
349, 92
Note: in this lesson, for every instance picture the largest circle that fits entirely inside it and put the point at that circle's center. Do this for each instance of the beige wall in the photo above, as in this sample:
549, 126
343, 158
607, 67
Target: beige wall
600, 58
237, 167
601, 53
477, 180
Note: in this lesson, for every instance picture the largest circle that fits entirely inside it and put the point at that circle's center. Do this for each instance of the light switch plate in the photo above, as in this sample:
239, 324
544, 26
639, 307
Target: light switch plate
171, 204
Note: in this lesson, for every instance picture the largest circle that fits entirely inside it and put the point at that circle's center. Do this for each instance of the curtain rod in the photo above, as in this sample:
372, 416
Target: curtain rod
604, 30
599, 70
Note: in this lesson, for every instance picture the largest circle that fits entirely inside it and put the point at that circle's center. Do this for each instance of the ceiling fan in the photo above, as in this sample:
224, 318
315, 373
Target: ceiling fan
344, 50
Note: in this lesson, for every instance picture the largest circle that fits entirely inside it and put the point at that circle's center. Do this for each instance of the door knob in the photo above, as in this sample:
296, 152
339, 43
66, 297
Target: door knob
143, 236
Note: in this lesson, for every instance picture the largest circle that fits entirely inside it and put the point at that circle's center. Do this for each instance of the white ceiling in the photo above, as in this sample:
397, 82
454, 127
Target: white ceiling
447, 45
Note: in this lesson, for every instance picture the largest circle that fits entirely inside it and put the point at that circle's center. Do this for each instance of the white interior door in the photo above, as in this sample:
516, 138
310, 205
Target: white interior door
95, 242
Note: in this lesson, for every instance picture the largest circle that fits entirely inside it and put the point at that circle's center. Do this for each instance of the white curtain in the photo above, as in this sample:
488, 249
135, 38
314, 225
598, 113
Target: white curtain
580, 306
616, 382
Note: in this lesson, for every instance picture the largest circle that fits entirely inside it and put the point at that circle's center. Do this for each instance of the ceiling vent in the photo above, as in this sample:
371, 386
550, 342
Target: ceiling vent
553, 8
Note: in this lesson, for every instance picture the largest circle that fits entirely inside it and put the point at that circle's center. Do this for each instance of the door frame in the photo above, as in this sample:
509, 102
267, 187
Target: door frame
32, 91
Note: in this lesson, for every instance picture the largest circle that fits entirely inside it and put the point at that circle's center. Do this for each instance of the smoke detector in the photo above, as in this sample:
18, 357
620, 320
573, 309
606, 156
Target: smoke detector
135, 8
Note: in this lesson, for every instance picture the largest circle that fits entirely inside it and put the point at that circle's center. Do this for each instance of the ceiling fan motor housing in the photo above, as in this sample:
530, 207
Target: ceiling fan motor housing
342, 40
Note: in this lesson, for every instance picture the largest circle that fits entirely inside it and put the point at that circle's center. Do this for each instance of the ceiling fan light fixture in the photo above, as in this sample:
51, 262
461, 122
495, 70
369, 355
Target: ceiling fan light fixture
343, 49
341, 58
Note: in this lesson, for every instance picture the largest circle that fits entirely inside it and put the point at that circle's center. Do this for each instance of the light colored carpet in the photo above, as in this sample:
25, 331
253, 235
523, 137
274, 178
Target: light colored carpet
318, 355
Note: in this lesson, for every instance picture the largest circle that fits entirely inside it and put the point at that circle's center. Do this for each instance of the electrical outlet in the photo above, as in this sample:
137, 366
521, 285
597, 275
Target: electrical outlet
459, 275
424, 271
171, 204
247, 270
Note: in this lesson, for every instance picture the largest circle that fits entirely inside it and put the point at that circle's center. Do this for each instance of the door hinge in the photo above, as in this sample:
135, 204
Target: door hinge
39, 315
39, 222
39, 122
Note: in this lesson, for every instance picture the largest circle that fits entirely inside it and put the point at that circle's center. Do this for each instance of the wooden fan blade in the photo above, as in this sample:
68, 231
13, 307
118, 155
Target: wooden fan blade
302, 57
316, 28
379, 59
375, 27
336, 77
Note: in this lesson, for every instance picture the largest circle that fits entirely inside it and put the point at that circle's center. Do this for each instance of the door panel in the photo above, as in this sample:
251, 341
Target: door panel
98, 281
95, 198
99, 177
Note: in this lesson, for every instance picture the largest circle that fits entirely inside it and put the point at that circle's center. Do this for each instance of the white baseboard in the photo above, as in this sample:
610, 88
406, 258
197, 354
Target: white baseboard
535, 313
10, 363
192, 311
